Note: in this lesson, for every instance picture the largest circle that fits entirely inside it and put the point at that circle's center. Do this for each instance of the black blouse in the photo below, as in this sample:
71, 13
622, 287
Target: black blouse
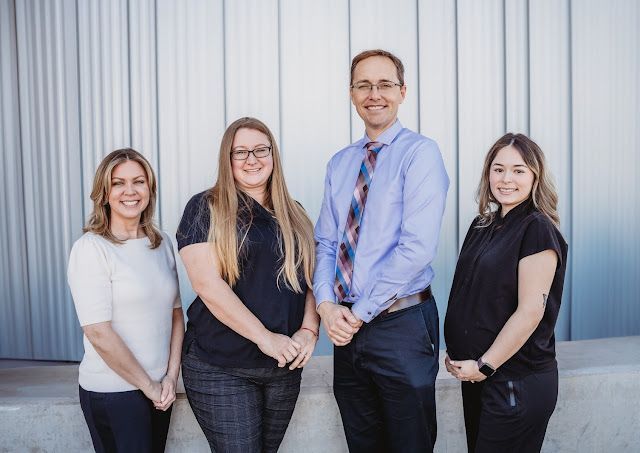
484, 293
280, 309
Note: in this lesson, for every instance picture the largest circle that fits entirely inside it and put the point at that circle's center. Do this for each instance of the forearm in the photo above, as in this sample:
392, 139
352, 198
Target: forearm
117, 355
311, 318
177, 335
325, 272
224, 304
513, 335
535, 275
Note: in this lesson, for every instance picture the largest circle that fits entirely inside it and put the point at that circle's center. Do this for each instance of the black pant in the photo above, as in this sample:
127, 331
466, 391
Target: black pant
240, 409
124, 422
509, 416
384, 382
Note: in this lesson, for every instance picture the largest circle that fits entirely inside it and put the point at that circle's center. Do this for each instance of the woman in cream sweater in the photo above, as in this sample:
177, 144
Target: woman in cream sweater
123, 279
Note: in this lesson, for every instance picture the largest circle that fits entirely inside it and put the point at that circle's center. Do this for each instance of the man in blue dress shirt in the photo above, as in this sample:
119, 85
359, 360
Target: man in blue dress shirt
373, 274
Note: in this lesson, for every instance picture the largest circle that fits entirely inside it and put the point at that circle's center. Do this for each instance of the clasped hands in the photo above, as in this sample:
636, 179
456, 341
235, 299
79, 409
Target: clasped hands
339, 322
464, 370
295, 350
162, 393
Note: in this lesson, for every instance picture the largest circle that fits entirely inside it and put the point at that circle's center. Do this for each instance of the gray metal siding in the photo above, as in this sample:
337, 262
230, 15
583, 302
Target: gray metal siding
15, 330
50, 151
606, 165
81, 78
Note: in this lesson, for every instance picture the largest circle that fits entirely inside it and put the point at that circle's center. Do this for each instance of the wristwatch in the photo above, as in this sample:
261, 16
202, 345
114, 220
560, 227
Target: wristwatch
485, 368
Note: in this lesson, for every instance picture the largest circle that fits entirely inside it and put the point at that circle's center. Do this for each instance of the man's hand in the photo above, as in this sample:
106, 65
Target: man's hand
339, 322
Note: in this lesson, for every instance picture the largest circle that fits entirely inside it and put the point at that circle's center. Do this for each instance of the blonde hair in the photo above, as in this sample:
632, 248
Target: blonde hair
228, 232
543, 193
100, 219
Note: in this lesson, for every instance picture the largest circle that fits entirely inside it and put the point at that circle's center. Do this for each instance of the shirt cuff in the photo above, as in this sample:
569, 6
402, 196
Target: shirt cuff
324, 294
363, 312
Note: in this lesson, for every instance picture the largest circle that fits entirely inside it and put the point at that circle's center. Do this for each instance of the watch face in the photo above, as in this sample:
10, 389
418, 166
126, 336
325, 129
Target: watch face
486, 370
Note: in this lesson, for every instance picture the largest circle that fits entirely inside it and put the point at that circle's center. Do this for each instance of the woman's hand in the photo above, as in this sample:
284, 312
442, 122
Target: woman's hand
168, 394
307, 341
153, 391
280, 347
453, 370
465, 370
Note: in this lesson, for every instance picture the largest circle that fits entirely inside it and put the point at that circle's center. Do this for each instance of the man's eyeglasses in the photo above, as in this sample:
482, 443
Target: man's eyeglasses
243, 154
383, 87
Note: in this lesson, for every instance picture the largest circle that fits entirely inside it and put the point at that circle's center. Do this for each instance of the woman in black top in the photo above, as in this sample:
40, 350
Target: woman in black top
504, 302
249, 252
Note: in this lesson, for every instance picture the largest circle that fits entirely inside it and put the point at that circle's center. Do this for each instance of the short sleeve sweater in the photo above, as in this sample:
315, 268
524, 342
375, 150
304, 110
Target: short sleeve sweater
484, 293
277, 306
134, 287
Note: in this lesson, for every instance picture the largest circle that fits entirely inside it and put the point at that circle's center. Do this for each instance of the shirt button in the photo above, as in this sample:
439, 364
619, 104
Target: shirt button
465, 331
352, 295
368, 312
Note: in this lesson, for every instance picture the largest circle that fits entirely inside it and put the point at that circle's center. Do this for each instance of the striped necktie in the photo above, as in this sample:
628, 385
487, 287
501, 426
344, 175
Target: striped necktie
347, 249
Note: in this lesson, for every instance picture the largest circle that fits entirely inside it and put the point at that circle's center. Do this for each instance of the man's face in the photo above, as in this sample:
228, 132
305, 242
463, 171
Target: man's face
377, 108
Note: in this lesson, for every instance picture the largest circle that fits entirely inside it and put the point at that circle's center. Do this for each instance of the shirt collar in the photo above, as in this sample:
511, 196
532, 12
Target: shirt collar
387, 137
520, 210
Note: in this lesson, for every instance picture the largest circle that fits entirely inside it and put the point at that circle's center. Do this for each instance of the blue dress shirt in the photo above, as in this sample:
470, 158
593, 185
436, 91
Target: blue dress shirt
400, 226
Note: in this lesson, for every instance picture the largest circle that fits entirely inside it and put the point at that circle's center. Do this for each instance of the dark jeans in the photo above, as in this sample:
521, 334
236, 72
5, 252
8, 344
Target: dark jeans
240, 409
384, 382
124, 422
509, 416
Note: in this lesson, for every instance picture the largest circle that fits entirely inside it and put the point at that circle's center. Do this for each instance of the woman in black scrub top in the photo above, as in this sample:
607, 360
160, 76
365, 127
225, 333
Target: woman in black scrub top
504, 302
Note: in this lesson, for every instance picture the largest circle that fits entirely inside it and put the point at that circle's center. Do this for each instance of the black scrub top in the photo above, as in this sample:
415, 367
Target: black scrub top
280, 309
484, 293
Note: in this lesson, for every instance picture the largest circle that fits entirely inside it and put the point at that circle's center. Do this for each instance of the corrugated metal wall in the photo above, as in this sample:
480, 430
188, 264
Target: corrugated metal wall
81, 78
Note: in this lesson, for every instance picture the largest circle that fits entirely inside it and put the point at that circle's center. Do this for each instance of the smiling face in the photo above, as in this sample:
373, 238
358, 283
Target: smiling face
129, 193
378, 110
251, 175
510, 179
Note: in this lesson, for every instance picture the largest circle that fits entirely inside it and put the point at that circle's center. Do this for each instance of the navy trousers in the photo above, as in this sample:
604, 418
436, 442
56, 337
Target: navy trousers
509, 416
384, 382
124, 422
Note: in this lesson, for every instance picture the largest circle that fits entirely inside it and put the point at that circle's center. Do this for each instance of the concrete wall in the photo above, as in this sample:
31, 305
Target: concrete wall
598, 407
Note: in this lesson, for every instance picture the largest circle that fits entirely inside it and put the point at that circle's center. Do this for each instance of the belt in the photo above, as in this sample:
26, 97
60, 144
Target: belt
402, 302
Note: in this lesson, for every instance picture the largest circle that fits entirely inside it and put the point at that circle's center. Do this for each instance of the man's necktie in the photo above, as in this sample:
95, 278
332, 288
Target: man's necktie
347, 249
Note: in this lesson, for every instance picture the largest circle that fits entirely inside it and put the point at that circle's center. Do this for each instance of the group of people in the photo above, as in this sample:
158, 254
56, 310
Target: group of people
264, 280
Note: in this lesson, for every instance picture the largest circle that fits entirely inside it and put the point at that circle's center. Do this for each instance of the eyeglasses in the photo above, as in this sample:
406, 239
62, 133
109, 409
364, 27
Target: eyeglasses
383, 87
243, 154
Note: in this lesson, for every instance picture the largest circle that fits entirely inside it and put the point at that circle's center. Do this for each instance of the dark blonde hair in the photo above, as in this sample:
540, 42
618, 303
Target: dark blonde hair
543, 193
225, 200
378, 53
100, 219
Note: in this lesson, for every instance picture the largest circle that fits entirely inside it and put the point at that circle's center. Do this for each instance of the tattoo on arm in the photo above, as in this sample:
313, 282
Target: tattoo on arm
544, 300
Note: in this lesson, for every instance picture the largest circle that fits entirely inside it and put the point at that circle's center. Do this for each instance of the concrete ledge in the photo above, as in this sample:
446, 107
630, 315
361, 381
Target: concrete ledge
598, 407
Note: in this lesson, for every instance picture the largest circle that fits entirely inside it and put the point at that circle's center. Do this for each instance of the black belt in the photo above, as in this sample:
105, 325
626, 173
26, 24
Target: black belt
402, 302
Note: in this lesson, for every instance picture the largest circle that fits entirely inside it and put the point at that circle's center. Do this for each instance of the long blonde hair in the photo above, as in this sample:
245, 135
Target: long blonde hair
543, 193
100, 218
226, 200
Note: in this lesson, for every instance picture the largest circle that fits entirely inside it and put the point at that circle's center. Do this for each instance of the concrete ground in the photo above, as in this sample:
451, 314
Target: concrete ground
598, 407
